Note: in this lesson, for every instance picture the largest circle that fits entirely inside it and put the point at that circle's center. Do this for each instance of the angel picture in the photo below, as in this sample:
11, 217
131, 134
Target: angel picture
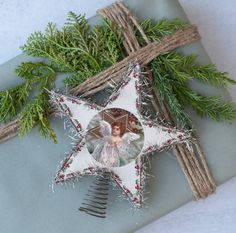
115, 144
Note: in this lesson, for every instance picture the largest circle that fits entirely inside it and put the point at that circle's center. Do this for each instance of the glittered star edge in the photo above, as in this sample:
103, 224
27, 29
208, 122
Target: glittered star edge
130, 178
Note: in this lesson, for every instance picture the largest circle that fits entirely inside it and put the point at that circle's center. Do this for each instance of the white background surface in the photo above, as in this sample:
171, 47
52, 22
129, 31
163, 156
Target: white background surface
216, 21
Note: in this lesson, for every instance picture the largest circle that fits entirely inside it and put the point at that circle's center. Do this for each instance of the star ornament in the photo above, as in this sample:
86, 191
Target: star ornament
148, 137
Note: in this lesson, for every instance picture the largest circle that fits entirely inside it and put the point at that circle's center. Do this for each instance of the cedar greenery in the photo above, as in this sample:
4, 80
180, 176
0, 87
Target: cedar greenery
15, 101
81, 52
12, 101
173, 71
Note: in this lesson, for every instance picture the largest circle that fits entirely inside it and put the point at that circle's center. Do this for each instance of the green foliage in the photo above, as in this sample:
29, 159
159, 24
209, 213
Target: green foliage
77, 47
172, 71
36, 113
156, 30
12, 101
213, 107
38, 72
15, 101
83, 51
164, 86
185, 68
106, 48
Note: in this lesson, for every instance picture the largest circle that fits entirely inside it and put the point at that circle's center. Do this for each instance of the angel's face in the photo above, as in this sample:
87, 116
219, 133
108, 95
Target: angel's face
116, 131
132, 124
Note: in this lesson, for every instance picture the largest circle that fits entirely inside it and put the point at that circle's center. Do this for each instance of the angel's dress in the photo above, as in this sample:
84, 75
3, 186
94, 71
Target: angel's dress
107, 153
110, 154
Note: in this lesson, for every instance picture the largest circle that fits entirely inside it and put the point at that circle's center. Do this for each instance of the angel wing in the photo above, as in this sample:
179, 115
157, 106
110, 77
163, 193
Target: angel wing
128, 137
105, 128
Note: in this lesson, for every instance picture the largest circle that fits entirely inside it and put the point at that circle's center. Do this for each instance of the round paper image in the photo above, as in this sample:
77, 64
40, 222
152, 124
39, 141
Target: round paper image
115, 137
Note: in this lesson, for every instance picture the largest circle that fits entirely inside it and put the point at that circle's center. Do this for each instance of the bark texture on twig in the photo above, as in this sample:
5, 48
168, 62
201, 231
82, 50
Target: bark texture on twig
9, 130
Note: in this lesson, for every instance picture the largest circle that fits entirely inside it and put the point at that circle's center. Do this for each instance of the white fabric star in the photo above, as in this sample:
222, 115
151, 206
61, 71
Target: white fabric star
130, 177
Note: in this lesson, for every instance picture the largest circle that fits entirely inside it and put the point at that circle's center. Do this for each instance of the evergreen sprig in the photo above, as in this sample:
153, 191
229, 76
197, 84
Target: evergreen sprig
213, 107
164, 86
156, 30
186, 67
83, 51
37, 113
35, 110
12, 100
77, 47
174, 70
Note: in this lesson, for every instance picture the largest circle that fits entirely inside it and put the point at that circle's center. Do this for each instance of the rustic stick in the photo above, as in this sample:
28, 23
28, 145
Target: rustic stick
9, 130
183, 165
205, 165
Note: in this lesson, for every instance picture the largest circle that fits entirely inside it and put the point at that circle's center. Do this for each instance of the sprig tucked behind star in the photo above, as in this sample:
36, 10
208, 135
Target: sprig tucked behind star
114, 145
